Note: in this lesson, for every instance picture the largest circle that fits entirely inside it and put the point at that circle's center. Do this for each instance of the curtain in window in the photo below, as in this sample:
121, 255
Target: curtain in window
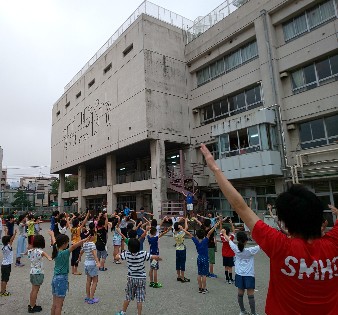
289, 31
233, 60
213, 70
314, 17
297, 79
300, 24
249, 52
327, 10
220, 67
224, 143
206, 75
334, 64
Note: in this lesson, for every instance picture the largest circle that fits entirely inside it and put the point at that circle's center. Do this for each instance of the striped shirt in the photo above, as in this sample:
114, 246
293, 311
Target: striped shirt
88, 248
135, 262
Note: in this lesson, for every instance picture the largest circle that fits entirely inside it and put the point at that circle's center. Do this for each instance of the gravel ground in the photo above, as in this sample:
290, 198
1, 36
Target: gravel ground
174, 298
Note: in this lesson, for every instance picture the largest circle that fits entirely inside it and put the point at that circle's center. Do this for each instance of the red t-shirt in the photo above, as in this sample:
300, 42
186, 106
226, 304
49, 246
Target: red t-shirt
226, 249
303, 276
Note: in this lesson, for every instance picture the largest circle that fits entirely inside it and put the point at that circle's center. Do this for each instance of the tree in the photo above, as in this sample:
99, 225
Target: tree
70, 184
21, 200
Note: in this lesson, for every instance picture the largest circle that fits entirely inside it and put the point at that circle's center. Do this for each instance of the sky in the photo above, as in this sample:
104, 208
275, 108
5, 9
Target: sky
44, 43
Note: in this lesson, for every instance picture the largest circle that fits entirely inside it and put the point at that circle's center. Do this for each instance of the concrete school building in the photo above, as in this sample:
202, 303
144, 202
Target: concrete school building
255, 81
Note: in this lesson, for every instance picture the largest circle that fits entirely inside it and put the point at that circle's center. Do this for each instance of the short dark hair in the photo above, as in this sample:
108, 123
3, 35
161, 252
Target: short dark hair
130, 226
200, 234
153, 230
134, 245
301, 211
153, 222
207, 222
5, 240
101, 222
75, 222
176, 226
39, 241
132, 234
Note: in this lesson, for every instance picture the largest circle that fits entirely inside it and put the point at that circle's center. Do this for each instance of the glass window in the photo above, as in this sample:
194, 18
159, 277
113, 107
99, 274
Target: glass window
224, 139
213, 70
217, 109
327, 10
220, 67
317, 127
263, 130
300, 25
309, 74
208, 112
233, 60
334, 64
273, 135
224, 106
249, 52
312, 134
331, 124
314, 17
297, 79
289, 31
253, 136
240, 100
253, 97
233, 141
323, 69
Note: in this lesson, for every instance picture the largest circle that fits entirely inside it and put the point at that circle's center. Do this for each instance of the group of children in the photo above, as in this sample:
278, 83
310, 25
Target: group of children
92, 242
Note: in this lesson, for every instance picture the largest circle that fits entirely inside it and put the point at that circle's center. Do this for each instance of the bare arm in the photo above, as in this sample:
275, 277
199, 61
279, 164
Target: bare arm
12, 238
197, 221
163, 233
76, 245
186, 232
85, 220
96, 259
47, 256
119, 232
186, 224
213, 229
232, 226
230, 193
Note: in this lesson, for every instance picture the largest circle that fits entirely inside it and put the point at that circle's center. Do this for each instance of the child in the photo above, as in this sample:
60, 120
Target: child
201, 243
154, 265
101, 242
0, 228
245, 271
227, 253
37, 228
117, 239
181, 252
76, 237
61, 269
7, 261
136, 285
21, 246
35, 255
30, 230
91, 268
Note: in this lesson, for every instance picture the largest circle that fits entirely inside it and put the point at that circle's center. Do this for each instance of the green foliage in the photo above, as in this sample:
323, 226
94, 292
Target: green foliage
21, 200
70, 185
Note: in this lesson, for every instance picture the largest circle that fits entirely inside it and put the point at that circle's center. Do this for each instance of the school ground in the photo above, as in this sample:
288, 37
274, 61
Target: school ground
174, 298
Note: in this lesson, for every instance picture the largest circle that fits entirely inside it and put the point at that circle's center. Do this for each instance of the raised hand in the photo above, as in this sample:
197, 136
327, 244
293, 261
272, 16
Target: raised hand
209, 158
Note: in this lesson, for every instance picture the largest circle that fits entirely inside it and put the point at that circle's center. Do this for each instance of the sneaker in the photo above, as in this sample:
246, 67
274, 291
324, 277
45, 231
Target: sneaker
19, 264
185, 279
200, 290
34, 309
212, 275
86, 299
244, 313
151, 284
180, 279
157, 285
205, 291
5, 294
121, 313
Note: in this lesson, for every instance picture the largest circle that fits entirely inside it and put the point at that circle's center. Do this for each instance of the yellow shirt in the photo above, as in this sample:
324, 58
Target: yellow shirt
179, 239
30, 229
75, 235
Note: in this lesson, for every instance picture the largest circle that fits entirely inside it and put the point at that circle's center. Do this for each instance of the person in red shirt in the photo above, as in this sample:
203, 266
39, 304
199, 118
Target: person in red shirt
303, 264
227, 252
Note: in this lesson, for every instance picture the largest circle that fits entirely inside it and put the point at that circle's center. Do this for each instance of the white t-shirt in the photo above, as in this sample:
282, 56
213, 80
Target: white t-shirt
62, 230
244, 262
88, 248
7, 253
0, 224
35, 256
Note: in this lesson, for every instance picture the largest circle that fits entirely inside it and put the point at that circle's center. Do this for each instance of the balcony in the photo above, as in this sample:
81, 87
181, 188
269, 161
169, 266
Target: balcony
253, 164
133, 177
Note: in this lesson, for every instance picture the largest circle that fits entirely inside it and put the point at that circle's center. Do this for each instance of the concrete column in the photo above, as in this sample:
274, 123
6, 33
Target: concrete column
158, 175
111, 181
61, 189
139, 201
81, 185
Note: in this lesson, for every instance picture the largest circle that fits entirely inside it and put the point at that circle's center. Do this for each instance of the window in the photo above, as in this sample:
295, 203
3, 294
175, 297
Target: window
232, 105
309, 19
319, 132
252, 139
91, 83
108, 68
315, 74
78, 94
128, 50
228, 63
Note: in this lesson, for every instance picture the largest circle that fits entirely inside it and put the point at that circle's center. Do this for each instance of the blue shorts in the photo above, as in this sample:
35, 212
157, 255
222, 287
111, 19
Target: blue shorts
60, 285
91, 270
244, 282
181, 257
202, 265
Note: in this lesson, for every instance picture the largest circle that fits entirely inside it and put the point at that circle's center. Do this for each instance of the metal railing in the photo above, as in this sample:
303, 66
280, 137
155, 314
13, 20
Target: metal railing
202, 24
133, 177
146, 7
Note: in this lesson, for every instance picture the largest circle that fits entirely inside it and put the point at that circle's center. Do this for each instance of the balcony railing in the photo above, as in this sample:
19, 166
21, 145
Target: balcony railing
202, 24
133, 177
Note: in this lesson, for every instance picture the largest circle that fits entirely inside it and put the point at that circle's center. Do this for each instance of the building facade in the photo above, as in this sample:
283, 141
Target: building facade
256, 82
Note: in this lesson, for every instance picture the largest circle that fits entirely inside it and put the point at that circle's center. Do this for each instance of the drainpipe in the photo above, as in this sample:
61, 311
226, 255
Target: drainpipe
280, 129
